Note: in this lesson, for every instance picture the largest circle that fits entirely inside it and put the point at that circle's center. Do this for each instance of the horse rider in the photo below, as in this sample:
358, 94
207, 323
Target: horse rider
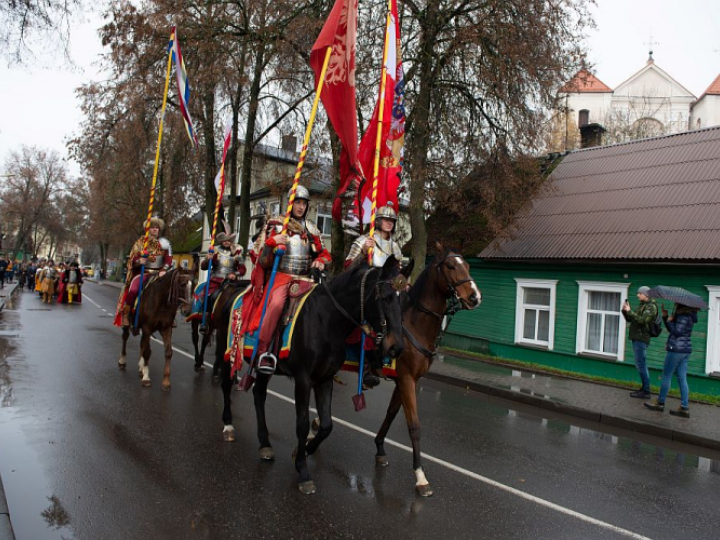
304, 249
50, 276
227, 262
157, 260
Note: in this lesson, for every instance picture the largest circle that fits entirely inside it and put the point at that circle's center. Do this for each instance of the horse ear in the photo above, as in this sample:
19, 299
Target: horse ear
390, 267
407, 271
440, 248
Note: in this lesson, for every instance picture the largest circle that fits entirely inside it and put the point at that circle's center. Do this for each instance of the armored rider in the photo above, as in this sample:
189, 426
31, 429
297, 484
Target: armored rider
382, 242
157, 260
227, 262
304, 249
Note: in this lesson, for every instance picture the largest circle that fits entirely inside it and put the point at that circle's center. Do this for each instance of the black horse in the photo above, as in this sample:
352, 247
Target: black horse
331, 313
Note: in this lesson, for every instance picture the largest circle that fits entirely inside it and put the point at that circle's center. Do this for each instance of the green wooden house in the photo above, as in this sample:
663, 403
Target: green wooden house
608, 220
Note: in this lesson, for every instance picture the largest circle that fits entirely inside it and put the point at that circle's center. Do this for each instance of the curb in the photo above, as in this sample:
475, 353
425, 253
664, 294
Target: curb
7, 290
579, 412
6, 530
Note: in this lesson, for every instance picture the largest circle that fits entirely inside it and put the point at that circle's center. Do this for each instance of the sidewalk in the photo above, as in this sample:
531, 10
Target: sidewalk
5, 293
6, 530
590, 401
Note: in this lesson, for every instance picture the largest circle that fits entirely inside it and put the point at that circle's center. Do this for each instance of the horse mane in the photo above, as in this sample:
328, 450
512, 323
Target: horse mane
417, 289
348, 276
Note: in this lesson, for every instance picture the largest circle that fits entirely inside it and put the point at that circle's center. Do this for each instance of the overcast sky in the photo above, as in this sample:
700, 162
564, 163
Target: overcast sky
39, 106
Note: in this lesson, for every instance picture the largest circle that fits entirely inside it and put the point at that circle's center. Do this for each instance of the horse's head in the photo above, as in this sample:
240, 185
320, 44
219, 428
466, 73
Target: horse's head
184, 279
453, 277
386, 317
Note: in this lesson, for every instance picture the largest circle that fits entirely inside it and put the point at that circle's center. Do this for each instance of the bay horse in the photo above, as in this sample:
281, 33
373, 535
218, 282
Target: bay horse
158, 306
447, 277
330, 314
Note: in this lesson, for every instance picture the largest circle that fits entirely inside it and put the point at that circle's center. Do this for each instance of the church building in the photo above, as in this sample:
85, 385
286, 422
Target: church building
648, 104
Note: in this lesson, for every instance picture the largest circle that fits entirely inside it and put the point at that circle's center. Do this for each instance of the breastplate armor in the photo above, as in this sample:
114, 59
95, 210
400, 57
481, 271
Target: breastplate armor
72, 277
157, 264
383, 250
225, 264
296, 260
51, 273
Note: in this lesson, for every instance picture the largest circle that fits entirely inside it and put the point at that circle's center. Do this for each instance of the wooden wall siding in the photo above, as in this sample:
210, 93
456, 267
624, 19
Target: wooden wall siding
494, 320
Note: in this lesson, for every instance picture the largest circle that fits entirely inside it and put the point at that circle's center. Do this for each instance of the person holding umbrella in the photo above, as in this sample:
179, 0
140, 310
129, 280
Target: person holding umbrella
679, 347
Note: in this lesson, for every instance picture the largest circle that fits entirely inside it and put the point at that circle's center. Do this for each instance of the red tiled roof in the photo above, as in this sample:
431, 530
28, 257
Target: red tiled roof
585, 82
714, 88
653, 200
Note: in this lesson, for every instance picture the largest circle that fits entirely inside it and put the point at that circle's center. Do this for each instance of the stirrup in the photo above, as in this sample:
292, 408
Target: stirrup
267, 363
204, 329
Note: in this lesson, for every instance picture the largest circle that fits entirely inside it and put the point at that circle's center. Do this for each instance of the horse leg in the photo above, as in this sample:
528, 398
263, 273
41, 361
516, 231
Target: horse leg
409, 403
145, 358
166, 334
392, 410
220, 342
123, 355
323, 399
302, 428
195, 340
227, 384
199, 366
259, 396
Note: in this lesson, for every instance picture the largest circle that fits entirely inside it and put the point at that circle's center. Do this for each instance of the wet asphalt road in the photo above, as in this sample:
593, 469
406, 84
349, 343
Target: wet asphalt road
85, 452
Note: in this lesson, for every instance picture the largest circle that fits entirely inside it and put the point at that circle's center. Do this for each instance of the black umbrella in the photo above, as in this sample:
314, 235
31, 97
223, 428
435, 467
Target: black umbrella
678, 295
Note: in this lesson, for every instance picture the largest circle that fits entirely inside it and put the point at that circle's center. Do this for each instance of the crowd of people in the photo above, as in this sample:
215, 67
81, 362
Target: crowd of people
61, 282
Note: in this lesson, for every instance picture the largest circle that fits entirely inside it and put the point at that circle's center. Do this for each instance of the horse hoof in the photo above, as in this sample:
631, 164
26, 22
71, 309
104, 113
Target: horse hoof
216, 378
229, 436
267, 453
122, 365
381, 461
146, 383
166, 387
315, 425
424, 491
199, 368
307, 488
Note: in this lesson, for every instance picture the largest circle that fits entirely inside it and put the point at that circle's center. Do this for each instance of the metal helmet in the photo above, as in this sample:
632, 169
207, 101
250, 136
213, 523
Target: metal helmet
301, 193
387, 212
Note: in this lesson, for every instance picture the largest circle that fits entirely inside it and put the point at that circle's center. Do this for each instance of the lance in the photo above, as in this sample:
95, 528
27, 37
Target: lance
291, 200
152, 188
359, 398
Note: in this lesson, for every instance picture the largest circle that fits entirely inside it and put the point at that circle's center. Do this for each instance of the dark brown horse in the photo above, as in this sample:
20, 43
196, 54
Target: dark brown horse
424, 308
158, 306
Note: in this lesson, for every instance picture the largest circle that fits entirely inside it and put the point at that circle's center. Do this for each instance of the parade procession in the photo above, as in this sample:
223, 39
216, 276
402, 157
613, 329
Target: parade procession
350, 269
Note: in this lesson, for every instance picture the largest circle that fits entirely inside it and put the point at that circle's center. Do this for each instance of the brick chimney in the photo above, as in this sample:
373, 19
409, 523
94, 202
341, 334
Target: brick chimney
591, 135
289, 143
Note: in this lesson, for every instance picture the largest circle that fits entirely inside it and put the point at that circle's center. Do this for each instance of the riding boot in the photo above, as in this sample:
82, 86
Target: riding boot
69, 298
126, 316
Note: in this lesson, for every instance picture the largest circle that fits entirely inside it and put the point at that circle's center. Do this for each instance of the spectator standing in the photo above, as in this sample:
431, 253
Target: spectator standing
639, 333
679, 347
3, 269
21, 276
30, 276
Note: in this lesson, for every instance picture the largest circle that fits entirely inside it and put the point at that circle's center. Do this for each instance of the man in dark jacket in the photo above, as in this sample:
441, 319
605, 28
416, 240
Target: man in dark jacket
679, 347
3, 267
639, 333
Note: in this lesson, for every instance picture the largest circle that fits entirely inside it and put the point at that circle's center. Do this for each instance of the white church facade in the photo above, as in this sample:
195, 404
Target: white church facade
649, 103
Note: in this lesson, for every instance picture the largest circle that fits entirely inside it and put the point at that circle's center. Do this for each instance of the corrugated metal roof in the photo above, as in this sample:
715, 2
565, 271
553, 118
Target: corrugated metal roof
654, 199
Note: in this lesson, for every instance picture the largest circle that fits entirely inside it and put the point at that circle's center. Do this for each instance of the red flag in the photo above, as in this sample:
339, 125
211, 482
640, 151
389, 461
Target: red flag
392, 139
338, 93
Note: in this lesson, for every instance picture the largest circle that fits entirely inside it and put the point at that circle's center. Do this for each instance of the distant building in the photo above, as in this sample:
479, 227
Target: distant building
648, 104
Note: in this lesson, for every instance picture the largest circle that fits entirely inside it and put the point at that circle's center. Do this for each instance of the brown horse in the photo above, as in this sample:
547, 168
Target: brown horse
424, 308
158, 306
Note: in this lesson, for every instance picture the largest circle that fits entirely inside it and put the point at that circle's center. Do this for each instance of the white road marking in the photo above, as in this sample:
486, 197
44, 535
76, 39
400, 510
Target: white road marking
92, 301
465, 472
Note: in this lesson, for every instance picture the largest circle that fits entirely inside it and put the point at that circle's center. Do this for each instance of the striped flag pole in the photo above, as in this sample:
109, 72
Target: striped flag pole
152, 188
378, 141
308, 131
211, 249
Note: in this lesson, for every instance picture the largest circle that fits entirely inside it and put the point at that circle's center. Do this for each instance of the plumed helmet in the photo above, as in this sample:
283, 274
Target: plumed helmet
301, 193
155, 221
387, 212
225, 237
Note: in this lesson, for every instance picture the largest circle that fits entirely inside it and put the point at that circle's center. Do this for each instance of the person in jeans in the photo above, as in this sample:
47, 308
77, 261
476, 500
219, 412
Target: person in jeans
679, 347
639, 333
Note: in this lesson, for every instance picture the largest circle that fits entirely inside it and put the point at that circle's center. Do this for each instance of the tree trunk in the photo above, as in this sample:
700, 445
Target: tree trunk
246, 175
234, 146
337, 233
208, 100
420, 137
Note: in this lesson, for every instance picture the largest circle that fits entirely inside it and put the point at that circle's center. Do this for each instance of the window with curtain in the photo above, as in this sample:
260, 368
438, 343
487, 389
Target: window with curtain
324, 221
601, 327
535, 312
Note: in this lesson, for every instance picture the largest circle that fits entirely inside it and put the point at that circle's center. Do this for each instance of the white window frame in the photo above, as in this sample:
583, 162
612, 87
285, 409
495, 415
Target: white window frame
520, 311
712, 358
321, 211
584, 288
271, 205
